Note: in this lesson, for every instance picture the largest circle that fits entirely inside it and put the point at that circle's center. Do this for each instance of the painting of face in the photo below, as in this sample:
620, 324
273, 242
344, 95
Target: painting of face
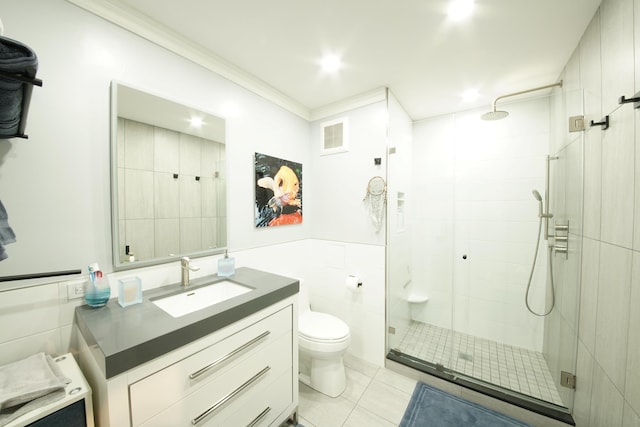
278, 191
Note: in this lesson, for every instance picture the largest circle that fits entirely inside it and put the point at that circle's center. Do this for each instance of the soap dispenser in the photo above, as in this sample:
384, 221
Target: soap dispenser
226, 266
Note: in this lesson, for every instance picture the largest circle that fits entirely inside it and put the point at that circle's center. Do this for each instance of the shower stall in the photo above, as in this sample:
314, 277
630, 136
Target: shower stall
462, 233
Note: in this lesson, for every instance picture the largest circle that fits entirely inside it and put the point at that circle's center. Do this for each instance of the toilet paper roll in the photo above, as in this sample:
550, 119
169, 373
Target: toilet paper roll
353, 283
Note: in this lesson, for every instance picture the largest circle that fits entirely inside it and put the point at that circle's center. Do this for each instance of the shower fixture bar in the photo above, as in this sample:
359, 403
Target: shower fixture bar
497, 115
522, 92
546, 215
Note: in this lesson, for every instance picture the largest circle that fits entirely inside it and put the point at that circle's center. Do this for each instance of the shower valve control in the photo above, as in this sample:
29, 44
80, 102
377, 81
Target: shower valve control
561, 237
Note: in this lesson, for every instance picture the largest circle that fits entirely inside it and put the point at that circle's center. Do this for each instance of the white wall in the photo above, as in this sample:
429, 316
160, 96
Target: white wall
472, 187
345, 241
56, 184
340, 180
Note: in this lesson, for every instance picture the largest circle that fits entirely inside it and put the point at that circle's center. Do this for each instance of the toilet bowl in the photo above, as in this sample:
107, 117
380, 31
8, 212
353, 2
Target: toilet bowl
322, 340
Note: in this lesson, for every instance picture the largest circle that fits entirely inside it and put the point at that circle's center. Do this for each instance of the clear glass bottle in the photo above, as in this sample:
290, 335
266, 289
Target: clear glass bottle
226, 266
97, 291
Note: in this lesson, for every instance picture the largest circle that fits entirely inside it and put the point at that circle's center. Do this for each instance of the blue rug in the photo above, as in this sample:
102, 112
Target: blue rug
435, 408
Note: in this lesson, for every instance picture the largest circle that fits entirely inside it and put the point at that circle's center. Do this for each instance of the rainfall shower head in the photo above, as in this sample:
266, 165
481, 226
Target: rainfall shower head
494, 115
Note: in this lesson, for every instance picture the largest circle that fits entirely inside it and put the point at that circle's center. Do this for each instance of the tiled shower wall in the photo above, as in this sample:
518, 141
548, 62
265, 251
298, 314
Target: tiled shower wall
172, 190
475, 222
606, 66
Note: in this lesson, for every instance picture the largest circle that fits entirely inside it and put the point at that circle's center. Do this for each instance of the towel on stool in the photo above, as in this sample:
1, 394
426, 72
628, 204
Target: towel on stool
28, 384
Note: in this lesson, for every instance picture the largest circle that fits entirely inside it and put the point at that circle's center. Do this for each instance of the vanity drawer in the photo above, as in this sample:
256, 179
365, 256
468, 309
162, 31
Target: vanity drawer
240, 395
262, 408
160, 390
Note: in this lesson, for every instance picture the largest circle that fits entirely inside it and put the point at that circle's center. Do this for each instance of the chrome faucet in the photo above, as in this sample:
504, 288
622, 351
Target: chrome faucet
185, 266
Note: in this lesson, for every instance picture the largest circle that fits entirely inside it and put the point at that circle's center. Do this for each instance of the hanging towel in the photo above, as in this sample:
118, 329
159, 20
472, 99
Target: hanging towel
6, 232
28, 384
15, 58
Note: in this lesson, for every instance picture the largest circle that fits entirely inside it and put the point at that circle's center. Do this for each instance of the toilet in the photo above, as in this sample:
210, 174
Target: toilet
322, 340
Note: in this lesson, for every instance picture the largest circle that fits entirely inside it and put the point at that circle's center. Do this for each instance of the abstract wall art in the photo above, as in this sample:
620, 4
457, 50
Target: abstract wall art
278, 191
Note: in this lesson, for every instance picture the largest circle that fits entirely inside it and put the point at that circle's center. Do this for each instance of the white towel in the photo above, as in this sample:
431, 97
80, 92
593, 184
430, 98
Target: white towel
6, 232
27, 384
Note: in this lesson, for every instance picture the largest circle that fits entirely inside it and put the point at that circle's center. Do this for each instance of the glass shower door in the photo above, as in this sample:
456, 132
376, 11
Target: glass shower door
498, 342
498, 164
460, 273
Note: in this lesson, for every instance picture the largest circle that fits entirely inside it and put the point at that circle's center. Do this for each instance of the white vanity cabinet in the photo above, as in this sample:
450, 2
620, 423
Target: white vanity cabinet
244, 374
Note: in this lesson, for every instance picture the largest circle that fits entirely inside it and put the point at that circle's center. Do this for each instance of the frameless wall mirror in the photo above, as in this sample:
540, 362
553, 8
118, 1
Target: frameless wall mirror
168, 180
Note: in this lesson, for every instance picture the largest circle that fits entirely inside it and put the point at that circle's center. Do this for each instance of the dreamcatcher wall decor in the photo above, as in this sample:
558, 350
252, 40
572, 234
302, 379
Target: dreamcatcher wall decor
376, 200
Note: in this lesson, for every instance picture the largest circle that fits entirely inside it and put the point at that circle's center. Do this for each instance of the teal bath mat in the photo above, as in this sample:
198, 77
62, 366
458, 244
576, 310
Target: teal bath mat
435, 408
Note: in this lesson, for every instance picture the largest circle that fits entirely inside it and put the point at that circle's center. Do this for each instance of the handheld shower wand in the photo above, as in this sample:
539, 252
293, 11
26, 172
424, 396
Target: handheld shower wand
546, 216
539, 199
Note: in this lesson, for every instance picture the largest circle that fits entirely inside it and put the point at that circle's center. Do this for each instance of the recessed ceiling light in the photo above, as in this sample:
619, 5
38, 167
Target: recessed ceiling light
331, 63
460, 9
470, 95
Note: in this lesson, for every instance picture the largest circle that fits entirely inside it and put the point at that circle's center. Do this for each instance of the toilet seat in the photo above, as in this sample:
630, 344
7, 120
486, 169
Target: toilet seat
322, 327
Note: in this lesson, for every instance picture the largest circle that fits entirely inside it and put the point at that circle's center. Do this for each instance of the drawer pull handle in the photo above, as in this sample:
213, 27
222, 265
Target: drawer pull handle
257, 419
230, 396
228, 356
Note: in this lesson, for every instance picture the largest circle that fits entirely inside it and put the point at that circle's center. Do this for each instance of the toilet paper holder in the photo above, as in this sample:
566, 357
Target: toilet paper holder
354, 280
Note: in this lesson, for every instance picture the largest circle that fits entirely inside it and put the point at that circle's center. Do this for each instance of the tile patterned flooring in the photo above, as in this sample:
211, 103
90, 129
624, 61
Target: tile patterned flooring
375, 397
378, 396
510, 367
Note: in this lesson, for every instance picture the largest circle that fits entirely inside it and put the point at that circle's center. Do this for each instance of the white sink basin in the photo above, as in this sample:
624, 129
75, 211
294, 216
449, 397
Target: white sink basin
198, 298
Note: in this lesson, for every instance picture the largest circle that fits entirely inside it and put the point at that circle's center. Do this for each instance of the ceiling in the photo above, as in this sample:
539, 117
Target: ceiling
409, 46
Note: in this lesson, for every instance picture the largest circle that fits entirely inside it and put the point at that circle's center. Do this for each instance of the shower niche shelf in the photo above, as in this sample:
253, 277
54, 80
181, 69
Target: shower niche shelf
417, 298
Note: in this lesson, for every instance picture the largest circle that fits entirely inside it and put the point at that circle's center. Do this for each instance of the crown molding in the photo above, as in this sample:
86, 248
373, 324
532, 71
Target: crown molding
348, 104
139, 24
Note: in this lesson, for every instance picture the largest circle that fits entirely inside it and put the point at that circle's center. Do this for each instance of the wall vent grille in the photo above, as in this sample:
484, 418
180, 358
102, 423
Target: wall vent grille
334, 136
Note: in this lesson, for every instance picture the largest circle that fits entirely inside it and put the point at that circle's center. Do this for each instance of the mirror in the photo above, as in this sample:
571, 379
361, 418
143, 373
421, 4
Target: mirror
168, 180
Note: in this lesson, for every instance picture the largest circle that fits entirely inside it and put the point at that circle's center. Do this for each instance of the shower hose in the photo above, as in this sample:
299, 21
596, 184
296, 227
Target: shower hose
533, 266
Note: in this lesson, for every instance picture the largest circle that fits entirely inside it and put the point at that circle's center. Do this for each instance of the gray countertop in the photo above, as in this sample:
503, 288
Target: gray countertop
130, 336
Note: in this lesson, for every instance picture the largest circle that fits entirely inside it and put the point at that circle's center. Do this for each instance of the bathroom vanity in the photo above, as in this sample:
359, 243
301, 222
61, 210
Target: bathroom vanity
233, 363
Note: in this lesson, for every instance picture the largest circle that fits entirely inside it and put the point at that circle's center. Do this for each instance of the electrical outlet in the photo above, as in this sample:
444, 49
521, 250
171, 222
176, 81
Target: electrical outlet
75, 288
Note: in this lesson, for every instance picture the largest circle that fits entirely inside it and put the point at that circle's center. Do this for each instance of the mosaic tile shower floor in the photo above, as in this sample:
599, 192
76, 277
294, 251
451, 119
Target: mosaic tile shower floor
513, 368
